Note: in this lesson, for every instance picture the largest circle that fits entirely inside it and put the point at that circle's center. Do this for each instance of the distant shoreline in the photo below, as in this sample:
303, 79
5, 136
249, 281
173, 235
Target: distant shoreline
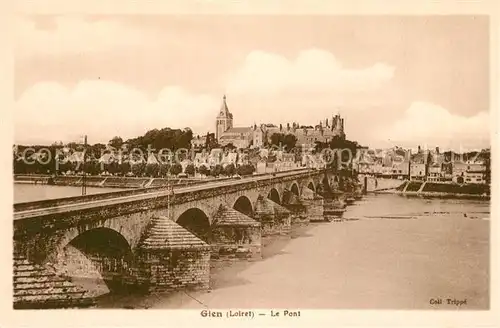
449, 190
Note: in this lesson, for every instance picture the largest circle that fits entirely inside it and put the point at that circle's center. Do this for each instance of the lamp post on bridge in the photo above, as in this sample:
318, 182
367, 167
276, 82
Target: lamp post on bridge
170, 189
84, 177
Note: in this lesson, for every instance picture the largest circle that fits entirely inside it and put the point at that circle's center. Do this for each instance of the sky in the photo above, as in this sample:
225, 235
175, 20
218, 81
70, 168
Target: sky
397, 80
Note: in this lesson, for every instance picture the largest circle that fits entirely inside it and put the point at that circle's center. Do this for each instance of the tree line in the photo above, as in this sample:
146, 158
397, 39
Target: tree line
126, 168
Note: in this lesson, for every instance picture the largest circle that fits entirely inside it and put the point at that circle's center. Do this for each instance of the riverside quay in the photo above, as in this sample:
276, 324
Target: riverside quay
156, 239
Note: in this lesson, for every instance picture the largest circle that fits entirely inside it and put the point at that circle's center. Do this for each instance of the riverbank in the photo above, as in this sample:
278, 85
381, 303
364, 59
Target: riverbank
440, 190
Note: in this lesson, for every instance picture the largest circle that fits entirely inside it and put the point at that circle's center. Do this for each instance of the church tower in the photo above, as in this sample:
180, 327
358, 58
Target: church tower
224, 120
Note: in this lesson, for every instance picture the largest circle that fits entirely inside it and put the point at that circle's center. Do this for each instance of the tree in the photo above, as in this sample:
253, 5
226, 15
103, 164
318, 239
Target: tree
124, 168
211, 142
245, 169
216, 170
64, 166
152, 169
138, 169
165, 138
164, 168
116, 142
203, 170
91, 167
113, 168
288, 141
276, 139
229, 146
230, 170
189, 170
175, 169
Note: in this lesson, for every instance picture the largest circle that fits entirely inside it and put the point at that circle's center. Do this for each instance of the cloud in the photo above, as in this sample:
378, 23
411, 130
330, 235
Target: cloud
313, 70
269, 87
75, 35
432, 125
48, 111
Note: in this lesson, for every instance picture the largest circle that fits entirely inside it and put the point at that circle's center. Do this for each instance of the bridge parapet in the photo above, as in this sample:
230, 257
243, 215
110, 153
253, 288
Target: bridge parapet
59, 215
47, 203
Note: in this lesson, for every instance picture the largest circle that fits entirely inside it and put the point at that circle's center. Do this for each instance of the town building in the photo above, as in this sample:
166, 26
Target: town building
400, 169
469, 172
307, 136
417, 171
259, 136
435, 173
474, 177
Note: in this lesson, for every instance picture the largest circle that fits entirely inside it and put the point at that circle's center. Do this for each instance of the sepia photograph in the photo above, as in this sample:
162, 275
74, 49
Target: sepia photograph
253, 166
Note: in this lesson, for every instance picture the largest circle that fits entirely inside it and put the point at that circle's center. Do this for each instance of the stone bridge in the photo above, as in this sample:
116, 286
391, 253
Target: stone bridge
159, 239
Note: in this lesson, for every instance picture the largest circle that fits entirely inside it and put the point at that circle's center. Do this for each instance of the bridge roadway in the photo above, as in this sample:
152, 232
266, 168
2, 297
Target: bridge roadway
58, 209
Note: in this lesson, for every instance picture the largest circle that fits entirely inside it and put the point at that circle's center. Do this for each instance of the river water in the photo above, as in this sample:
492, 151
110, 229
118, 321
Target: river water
30, 192
395, 253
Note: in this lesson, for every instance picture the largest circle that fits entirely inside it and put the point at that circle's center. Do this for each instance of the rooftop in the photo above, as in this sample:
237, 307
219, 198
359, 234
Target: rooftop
239, 130
36, 287
229, 216
166, 234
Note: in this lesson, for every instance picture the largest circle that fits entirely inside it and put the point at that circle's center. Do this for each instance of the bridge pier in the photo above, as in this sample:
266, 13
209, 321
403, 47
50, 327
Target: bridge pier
296, 207
314, 205
264, 213
235, 235
171, 258
282, 218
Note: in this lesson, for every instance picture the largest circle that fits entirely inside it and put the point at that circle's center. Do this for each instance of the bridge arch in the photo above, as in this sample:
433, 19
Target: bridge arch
274, 195
294, 188
244, 205
197, 222
311, 186
102, 239
326, 184
100, 253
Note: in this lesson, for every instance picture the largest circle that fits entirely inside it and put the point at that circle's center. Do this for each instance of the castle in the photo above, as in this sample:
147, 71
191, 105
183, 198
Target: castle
257, 136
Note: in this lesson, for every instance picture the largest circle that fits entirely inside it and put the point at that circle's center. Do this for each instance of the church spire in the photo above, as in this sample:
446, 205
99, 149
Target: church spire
224, 110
